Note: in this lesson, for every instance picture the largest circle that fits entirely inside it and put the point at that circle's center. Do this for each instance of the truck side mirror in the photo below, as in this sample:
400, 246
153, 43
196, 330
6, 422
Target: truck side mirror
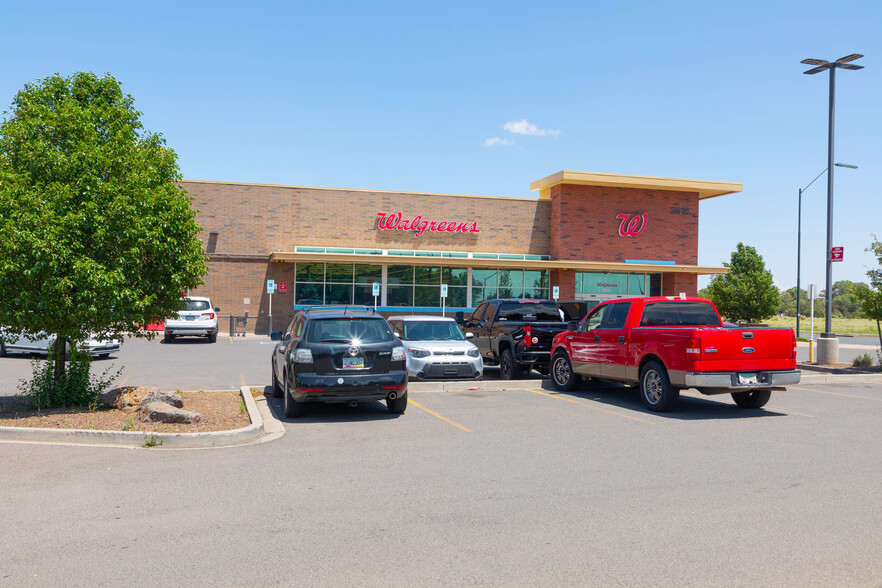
573, 326
459, 317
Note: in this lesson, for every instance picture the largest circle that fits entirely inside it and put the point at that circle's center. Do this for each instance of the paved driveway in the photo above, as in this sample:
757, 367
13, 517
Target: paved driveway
520, 487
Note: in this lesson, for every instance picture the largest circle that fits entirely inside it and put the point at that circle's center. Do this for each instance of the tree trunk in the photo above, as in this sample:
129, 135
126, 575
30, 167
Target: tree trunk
60, 352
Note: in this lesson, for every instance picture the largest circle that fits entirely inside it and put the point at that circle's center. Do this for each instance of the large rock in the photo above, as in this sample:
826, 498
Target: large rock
160, 412
131, 397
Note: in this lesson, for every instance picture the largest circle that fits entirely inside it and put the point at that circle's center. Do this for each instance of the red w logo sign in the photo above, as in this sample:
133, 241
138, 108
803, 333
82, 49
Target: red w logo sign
632, 224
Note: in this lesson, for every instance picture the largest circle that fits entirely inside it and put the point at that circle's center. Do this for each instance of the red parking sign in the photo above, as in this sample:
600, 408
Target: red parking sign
836, 254
283, 286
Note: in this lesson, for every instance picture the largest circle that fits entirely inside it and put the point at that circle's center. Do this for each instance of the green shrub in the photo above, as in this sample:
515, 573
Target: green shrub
862, 361
74, 387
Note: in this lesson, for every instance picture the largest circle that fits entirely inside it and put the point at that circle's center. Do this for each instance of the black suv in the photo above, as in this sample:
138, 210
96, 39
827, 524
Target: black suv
339, 354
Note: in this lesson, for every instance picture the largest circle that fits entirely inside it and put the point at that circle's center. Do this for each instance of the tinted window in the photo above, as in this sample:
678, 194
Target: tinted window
616, 315
679, 314
431, 331
347, 330
594, 320
195, 305
520, 311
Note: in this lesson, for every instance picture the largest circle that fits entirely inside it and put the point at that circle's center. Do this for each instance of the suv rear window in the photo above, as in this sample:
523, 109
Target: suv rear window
348, 330
195, 305
680, 314
529, 311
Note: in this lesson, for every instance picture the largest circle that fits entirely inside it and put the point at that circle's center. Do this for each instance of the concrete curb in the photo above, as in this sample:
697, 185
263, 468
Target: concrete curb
140, 438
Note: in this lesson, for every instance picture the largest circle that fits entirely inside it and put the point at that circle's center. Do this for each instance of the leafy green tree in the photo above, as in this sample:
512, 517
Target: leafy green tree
96, 235
871, 297
846, 302
747, 292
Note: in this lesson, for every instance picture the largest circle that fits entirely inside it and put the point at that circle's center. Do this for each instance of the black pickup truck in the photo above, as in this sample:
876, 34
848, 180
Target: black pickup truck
515, 334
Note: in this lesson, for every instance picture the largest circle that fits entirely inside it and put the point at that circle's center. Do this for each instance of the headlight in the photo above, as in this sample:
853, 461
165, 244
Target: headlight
474, 352
398, 353
417, 352
302, 356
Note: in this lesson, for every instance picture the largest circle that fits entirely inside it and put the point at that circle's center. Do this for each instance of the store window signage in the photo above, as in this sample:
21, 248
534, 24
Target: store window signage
394, 221
632, 224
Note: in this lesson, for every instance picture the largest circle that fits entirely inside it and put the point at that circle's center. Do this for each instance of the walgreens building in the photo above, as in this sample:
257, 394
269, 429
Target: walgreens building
595, 236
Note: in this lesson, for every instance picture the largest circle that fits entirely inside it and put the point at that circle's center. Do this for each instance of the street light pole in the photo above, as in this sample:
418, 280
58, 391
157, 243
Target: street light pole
799, 240
821, 65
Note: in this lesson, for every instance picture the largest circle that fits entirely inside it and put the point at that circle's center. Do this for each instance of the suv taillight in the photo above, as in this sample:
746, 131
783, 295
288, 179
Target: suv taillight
208, 315
302, 356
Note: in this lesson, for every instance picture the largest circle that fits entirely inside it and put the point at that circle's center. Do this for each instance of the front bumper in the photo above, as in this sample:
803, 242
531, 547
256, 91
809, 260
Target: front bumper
101, 348
331, 388
459, 367
719, 383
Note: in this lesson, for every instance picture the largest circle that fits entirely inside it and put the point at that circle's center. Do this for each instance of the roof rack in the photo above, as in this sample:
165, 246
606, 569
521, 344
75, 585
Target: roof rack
339, 308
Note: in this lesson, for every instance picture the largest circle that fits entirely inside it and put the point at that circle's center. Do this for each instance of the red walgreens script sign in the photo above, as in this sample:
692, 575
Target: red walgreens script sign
632, 224
836, 253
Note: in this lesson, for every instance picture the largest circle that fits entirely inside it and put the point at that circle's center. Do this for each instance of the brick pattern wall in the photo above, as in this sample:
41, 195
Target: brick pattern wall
253, 220
588, 227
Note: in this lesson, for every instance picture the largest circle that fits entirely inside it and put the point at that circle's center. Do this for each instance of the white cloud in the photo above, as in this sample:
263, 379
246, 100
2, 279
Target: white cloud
523, 127
497, 141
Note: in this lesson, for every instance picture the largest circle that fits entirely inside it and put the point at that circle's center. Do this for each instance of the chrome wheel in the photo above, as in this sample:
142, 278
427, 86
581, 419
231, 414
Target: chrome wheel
652, 387
561, 371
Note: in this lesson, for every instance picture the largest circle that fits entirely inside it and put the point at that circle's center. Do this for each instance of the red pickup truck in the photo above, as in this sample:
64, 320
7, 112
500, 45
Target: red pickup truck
665, 344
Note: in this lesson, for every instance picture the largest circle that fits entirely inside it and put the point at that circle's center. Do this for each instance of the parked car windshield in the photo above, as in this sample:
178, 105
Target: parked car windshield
432, 331
350, 330
529, 311
680, 314
195, 305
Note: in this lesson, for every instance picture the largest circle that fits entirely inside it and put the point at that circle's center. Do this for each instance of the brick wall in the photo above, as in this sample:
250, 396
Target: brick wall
588, 227
253, 219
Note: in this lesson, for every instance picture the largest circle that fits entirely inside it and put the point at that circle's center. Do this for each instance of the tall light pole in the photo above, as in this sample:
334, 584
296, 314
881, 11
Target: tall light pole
799, 238
831, 350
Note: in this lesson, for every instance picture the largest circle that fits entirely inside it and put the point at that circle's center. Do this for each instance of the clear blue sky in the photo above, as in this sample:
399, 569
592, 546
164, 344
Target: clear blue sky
485, 97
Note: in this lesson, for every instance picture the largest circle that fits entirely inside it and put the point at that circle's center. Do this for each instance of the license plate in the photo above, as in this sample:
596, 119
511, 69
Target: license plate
189, 318
353, 362
747, 379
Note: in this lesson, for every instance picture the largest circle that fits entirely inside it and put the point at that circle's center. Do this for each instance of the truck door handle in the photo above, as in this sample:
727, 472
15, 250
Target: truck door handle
597, 338
622, 339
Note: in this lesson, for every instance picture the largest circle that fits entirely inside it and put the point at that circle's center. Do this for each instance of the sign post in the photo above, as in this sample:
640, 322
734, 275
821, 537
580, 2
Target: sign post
376, 290
812, 293
270, 288
443, 299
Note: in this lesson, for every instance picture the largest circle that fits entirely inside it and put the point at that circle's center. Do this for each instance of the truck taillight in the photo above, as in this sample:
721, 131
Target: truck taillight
528, 336
794, 347
693, 349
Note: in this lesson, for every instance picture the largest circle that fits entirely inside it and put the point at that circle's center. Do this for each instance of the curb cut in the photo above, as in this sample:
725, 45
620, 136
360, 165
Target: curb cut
137, 439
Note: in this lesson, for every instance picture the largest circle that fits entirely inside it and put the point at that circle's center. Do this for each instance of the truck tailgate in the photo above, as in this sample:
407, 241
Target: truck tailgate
728, 350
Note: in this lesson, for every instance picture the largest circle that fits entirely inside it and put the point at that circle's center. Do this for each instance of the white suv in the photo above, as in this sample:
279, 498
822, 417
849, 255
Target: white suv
196, 318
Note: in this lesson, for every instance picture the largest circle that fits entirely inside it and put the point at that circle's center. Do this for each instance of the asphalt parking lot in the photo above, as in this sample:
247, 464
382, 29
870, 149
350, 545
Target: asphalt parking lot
523, 486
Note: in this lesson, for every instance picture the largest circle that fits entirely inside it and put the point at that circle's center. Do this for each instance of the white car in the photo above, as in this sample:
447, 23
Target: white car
437, 349
196, 318
40, 344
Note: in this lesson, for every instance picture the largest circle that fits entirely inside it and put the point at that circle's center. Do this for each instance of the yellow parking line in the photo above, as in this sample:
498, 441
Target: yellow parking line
435, 414
591, 406
834, 393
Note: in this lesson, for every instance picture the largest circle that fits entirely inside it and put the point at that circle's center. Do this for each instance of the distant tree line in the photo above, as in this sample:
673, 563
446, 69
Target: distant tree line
846, 301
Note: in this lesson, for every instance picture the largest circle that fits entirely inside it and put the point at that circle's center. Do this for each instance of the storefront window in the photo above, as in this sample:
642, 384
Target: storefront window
399, 295
637, 284
339, 272
399, 274
310, 272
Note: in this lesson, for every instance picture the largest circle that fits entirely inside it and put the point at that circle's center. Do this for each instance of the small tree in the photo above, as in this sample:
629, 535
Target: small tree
871, 297
96, 235
748, 291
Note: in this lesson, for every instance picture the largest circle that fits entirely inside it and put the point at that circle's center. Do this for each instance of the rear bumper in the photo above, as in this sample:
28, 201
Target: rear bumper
348, 387
541, 358
185, 328
724, 382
